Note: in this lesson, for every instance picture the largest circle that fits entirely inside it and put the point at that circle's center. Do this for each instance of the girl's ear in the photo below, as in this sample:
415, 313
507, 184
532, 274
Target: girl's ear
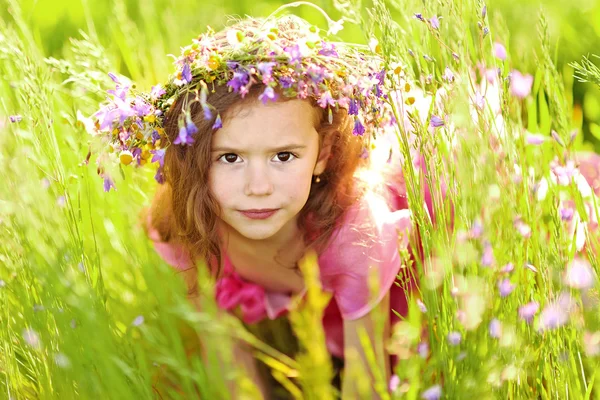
324, 154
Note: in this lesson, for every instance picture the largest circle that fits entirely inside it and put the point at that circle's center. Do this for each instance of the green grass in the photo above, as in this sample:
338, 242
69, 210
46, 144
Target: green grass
90, 311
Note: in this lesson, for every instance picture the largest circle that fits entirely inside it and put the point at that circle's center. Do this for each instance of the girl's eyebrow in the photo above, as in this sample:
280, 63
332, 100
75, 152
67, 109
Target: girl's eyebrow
276, 149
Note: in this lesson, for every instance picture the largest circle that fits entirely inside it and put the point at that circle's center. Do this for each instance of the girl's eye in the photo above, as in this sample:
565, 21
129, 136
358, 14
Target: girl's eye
285, 156
229, 158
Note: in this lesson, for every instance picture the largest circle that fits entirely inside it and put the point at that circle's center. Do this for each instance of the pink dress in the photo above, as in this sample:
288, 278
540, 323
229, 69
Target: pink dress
367, 241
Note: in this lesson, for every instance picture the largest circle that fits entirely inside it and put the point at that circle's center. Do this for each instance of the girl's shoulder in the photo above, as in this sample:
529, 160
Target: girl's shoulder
366, 243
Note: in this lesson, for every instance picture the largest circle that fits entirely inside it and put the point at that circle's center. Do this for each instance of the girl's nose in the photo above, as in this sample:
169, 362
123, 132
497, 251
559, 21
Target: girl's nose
258, 181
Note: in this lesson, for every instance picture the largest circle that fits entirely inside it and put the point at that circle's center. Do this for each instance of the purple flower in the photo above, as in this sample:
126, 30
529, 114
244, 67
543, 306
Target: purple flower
186, 132
286, 82
140, 107
435, 22
108, 183
487, 259
505, 287
535, 139
448, 75
359, 129
157, 91
155, 137
499, 51
566, 214
15, 118
495, 328
328, 50
186, 73
423, 349
267, 95
394, 383
218, 123
579, 274
483, 12
553, 316
421, 306
159, 155
507, 268
419, 16
326, 99
527, 311
454, 338
353, 108
433, 393
520, 85
436, 122
159, 176
114, 78
557, 138
265, 68
486, 31
316, 73
207, 112
239, 80
294, 53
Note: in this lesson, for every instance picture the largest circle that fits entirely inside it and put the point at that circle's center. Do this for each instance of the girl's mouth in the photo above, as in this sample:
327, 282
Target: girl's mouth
259, 214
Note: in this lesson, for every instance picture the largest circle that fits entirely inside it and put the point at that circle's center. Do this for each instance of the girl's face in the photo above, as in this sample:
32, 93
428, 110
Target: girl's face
263, 160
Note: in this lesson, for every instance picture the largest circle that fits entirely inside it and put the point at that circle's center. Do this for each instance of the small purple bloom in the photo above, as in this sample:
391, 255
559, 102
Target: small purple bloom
483, 12
505, 287
328, 50
487, 259
207, 112
286, 82
185, 133
157, 91
140, 107
155, 137
419, 16
448, 75
566, 214
108, 184
495, 328
553, 316
394, 383
527, 311
454, 338
239, 80
353, 108
520, 85
139, 320
359, 129
268, 95
435, 22
159, 176
436, 122
486, 31
265, 68
316, 73
186, 73
114, 78
326, 99
421, 306
499, 51
433, 393
15, 118
535, 139
294, 53
579, 274
423, 349
507, 268
218, 123
159, 155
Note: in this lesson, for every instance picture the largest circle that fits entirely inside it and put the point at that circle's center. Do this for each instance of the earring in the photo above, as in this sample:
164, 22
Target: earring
317, 179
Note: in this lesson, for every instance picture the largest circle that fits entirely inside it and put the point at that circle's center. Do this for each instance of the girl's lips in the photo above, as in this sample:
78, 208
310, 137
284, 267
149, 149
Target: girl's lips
258, 214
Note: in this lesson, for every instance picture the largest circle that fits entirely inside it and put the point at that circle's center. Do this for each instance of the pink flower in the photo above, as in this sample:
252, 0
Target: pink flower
520, 85
499, 51
579, 274
527, 311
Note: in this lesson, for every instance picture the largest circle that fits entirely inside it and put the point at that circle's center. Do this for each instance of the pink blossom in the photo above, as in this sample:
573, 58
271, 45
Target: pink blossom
527, 311
499, 51
520, 85
579, 274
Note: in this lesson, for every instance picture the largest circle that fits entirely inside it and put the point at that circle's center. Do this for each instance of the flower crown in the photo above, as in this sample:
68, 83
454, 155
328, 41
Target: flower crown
288, 58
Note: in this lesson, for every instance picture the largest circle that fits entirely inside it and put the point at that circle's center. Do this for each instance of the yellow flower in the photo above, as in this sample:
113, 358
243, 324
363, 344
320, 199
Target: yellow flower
410, 101
126, 157
213, 62
407, 87
150, 118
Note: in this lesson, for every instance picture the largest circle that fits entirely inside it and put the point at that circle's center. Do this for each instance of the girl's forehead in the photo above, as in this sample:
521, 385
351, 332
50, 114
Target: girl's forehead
278, 123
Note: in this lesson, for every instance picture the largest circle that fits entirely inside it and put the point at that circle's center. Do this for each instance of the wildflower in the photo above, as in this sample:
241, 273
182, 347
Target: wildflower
419, 16
486, 31
523, 229
32, 338
218, 123
328, 50
108, 183
15, 118
294, 54
495, 328
564, 174
359, 129
433, 393
483, 12
266, 68
326, 100
553, 316
353, 107
591, 343
158, 155
267, 95
505, 287
499, 51
454, 338
423, 349
479, 100
186, 132
421, 306
139, 320
520, 85
507, 268
476, 230
566, 213
448, 75
535, 139
527, 311
159, 176
435, 22
239, 80
579, 274
186, 73
125, 157
436, 122
157, 91
557, 138
394, 383
487, 259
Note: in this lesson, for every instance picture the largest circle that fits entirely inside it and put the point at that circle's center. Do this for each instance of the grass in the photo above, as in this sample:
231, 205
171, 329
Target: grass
90, 311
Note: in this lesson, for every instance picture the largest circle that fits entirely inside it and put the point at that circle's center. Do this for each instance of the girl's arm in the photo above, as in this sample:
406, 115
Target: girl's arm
353, 347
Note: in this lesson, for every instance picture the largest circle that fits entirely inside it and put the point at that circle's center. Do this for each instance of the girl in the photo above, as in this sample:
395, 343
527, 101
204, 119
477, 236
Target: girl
261, 139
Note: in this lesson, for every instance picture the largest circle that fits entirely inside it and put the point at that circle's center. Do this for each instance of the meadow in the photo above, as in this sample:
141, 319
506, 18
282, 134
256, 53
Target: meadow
500, 100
